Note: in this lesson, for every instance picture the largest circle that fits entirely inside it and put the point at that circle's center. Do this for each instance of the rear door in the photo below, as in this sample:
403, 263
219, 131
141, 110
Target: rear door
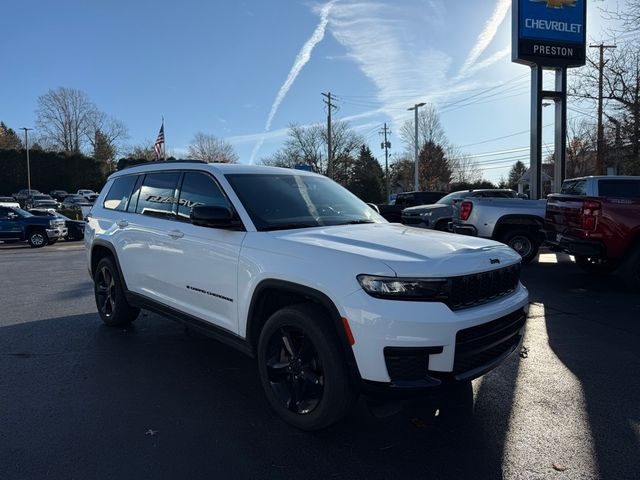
10, 225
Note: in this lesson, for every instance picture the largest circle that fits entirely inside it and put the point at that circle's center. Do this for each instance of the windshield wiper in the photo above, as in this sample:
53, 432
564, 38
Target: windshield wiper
288, 226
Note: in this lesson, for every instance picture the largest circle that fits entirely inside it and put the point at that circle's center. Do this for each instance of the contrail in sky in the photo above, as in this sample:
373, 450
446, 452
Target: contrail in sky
486, 36
301, 59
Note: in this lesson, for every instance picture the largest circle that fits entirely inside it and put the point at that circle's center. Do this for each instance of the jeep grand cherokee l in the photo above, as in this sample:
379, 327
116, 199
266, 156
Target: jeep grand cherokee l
291, 268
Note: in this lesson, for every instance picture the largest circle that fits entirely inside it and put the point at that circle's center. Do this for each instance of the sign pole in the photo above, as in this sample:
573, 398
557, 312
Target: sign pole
560, 166
535, 164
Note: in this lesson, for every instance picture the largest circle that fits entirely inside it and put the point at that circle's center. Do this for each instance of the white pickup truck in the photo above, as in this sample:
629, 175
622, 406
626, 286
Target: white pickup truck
515, 222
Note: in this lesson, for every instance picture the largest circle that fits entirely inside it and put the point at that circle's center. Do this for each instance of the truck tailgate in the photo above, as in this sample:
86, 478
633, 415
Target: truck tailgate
563, 214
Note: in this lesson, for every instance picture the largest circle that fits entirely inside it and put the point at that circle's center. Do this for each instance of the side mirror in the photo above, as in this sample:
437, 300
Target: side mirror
214, 217
12, 216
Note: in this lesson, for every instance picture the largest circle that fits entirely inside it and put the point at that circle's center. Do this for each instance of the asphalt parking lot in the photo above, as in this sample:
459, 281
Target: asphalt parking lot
80, 400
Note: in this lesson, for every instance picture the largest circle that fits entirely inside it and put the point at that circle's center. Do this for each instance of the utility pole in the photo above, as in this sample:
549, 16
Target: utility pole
26, 145
330, 106
600, 140
386, 145
416, 183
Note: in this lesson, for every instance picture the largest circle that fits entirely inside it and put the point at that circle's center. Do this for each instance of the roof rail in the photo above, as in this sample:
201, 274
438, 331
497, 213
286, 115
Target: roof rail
162, 162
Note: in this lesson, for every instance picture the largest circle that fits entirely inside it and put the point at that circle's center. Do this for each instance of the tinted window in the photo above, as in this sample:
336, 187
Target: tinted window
118, 195
133, 203
282, 201
199, 189
4, 212
574, 187
619, 188
157, 196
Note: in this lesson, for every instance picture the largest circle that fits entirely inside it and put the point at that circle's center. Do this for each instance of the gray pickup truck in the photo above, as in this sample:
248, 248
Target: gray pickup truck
438, 216
515, 222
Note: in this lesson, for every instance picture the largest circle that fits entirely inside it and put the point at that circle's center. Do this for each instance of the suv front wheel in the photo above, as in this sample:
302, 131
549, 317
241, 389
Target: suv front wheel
302, 369
112, 304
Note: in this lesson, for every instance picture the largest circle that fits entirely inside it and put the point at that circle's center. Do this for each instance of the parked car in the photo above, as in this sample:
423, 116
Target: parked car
19, 225
42, 201
393, 212
91, 198
71, 201
85, 193
24, 194
439, 215
75, 228
293, 269
514, 221
597, 219
9, 202
59, 195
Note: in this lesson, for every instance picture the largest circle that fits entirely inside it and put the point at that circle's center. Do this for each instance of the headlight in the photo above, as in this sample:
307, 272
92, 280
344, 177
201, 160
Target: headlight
394, 288
427, 214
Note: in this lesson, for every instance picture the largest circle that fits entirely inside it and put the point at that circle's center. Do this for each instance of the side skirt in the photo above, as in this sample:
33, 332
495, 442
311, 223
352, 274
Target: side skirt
190, 321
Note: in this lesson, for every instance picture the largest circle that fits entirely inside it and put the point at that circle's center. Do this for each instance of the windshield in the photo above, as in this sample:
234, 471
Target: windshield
278, 202
448, 199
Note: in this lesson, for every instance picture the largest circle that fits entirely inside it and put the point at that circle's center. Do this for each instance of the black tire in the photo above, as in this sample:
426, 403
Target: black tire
302, 368
113, 308
600, 266
524, 242
37, 238
630, 270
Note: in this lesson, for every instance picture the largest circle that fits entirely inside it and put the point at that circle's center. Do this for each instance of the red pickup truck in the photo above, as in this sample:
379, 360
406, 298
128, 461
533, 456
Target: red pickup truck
597, 219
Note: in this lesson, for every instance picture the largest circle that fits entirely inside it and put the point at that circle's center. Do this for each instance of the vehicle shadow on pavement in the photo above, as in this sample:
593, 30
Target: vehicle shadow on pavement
600, 347
153, 401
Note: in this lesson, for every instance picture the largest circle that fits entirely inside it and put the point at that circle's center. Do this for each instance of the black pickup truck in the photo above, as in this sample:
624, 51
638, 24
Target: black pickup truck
18, 225
393, 213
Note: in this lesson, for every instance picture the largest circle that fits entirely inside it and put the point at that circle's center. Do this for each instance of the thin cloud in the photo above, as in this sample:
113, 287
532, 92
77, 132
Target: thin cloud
496, 57
301, 60
486, 36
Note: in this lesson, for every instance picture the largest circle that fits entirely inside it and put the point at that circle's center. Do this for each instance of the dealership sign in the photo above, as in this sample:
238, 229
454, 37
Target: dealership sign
549, 33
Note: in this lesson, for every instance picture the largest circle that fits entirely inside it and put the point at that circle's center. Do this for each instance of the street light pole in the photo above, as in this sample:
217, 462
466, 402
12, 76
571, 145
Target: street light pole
416, 184
26, 145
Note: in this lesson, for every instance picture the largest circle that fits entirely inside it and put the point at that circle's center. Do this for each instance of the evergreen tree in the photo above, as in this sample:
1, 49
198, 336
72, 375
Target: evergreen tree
367, 177
102, 150
517, 171
435, 168
9, 140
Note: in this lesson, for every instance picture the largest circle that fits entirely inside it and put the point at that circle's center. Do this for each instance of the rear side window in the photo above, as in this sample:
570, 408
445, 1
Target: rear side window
574, 187
157, 195
199, 189
119, 193
619, 188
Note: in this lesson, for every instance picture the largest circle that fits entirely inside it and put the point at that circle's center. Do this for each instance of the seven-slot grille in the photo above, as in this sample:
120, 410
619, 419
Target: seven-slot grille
469, 290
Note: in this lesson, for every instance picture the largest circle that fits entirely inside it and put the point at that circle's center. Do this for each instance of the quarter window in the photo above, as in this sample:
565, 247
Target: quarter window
158, 194
119, 193
199, 189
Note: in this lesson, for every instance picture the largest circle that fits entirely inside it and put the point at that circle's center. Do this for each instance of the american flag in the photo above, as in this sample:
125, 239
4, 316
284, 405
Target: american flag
159, 142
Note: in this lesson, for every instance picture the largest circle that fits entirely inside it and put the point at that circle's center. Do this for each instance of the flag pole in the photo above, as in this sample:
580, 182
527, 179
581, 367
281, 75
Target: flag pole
164, 144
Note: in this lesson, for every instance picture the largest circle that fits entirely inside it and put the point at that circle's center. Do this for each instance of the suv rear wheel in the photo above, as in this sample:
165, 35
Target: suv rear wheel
302, 369
112, 304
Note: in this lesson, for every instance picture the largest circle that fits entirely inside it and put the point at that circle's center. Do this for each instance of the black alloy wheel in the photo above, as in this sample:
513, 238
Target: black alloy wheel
303, 369
112, 304
294, 370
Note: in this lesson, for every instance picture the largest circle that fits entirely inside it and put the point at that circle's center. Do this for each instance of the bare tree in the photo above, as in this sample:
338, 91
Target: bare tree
144, 151
308, 146
581, 148
64, 118
429, 129
212, 149
464, 168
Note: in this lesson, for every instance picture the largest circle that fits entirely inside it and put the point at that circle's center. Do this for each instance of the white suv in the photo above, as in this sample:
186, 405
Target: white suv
293, 269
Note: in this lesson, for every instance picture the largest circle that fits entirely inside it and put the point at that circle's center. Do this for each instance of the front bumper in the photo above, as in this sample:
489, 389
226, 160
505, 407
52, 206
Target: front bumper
56, 232
386, 330
574, 245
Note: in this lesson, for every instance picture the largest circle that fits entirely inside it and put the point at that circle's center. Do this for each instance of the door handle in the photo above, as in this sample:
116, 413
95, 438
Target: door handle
122, 223
175, 234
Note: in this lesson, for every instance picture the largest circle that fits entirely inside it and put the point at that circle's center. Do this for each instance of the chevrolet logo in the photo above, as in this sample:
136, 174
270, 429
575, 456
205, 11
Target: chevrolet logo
557, 3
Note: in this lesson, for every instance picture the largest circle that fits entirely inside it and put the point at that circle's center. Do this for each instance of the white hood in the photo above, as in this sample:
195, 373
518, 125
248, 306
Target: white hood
407, 251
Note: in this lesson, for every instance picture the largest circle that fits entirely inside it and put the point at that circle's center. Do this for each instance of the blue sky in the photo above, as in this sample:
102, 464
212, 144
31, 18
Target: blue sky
218, 67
